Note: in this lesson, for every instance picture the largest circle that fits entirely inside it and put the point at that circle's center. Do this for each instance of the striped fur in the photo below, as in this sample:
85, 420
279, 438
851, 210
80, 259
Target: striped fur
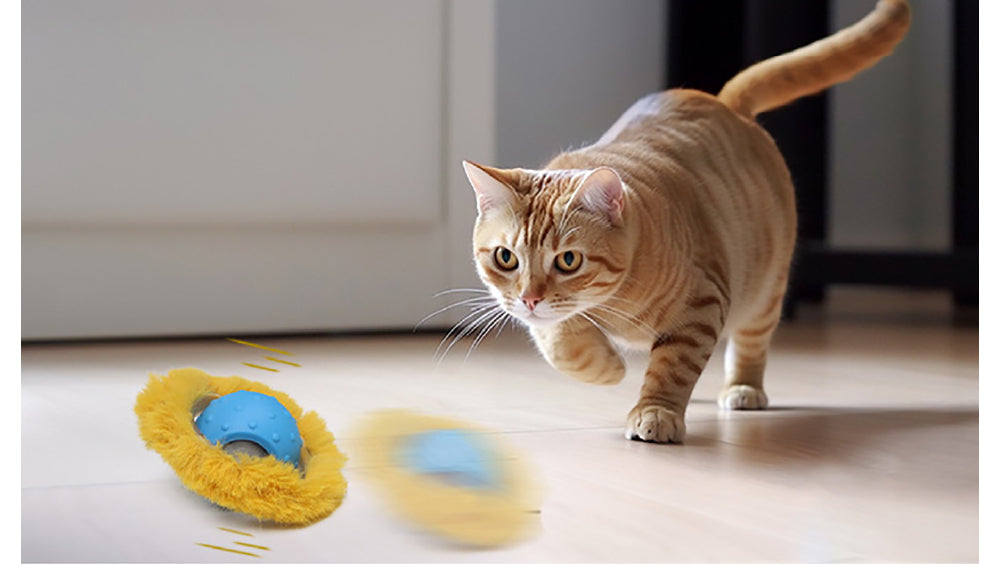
684, 214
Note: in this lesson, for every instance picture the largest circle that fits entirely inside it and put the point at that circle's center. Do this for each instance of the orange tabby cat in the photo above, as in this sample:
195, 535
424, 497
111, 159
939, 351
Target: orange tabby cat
675, 229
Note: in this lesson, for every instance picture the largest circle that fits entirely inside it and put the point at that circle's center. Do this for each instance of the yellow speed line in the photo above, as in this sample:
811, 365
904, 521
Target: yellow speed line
282, 361
259, 366
262, 347
227, 549
257, 546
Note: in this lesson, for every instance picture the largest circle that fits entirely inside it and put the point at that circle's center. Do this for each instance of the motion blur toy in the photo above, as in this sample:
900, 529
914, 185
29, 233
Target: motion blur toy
448, 477
252, 449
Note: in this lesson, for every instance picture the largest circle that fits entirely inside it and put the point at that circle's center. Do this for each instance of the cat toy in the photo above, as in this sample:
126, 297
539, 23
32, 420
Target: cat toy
448, 477
242, 445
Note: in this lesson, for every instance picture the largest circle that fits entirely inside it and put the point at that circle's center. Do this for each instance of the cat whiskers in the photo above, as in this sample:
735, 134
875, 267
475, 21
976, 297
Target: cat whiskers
621, 316
486, 318
471, 302
588, 315
454, 290
506, 320
480, 313
496, 319
629, 319
594, 322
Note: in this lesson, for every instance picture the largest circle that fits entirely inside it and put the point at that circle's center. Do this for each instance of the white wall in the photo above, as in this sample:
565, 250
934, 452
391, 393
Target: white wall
567, 68
232, 111
890, 149
248, 166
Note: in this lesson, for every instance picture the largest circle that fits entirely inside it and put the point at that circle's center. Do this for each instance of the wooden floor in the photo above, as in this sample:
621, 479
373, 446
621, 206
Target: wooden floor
870, 451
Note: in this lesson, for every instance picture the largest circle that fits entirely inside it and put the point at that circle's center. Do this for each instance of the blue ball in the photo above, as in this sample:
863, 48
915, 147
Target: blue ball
454, 456
254, 417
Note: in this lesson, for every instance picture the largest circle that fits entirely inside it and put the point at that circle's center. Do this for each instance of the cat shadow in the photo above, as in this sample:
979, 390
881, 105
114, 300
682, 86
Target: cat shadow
907, 442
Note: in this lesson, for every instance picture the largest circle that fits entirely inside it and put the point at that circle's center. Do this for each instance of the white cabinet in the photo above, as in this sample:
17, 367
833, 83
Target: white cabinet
241, 166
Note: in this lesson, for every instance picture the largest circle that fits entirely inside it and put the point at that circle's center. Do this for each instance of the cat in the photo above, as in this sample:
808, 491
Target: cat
674, 230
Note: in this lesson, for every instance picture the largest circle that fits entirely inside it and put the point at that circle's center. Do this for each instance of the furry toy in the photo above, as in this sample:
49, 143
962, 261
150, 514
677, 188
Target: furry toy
448, 477
264, 487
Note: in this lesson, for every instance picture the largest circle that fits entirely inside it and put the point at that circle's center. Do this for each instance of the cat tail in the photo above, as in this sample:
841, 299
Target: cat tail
779, 80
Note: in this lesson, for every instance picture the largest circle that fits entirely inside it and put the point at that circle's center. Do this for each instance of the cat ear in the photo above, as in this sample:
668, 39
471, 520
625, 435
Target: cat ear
490, 191
602, 193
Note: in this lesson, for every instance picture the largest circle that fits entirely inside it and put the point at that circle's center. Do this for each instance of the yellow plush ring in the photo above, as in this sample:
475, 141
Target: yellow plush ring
263, 487
467, 515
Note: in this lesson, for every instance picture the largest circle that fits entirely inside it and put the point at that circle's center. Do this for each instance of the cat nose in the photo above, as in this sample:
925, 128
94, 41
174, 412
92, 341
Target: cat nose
530, 301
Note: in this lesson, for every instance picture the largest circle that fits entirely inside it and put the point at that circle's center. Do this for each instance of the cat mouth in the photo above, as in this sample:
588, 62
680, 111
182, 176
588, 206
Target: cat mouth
539, 320
542, 316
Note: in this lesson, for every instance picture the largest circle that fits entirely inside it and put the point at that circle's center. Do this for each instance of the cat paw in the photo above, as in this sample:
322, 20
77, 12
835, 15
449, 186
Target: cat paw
655, 424
742, 397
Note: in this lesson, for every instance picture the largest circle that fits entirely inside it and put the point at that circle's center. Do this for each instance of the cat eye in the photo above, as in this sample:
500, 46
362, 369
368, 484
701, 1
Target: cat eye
505, 258
569, 261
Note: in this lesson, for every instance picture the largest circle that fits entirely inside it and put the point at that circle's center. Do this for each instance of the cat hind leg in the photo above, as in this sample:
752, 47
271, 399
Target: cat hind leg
746, 358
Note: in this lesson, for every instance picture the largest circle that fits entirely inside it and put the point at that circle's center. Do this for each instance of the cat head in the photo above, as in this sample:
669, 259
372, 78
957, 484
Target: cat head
549, 243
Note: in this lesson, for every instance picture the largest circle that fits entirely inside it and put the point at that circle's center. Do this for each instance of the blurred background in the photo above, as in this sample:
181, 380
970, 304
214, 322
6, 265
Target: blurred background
247, 166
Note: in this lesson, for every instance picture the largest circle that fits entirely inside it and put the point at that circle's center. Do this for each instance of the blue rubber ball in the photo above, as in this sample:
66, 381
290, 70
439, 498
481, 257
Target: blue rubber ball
455, 456
254, 417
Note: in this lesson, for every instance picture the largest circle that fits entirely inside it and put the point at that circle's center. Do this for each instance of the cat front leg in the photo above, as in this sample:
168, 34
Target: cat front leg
580, 351
676, 361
